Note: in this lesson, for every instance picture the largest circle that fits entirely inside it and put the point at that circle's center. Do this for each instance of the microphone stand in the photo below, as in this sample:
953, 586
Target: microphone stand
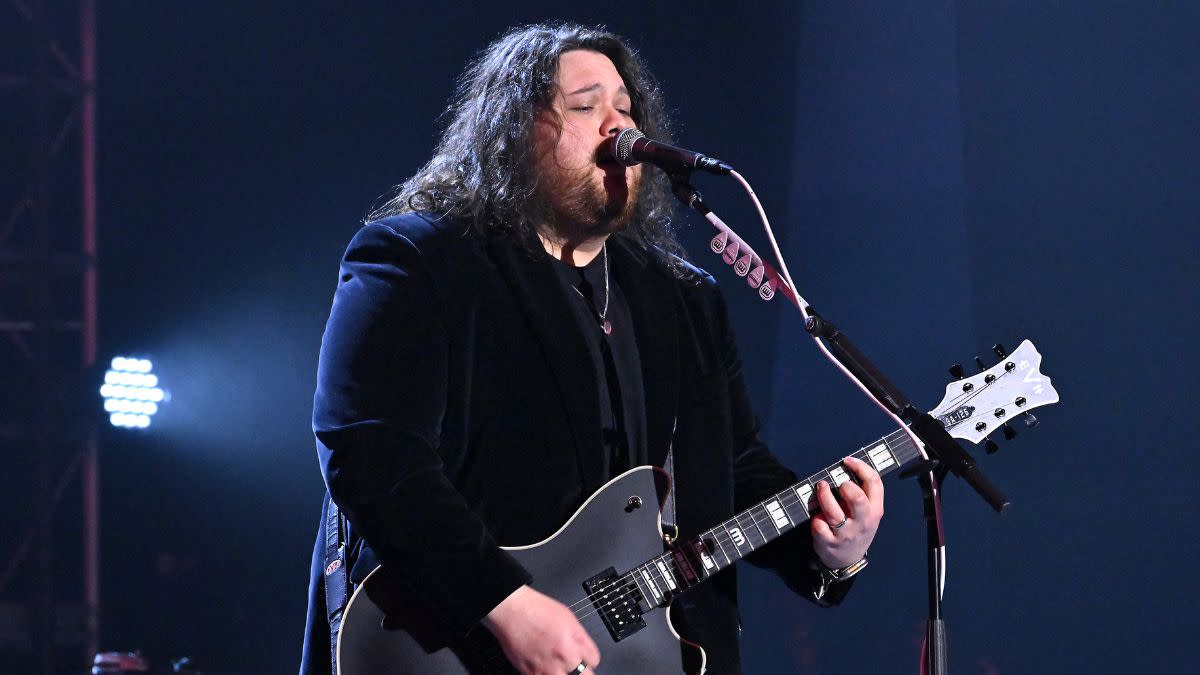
945, 455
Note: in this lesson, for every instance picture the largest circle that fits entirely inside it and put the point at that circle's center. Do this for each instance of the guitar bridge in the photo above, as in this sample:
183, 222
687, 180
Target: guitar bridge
616, 599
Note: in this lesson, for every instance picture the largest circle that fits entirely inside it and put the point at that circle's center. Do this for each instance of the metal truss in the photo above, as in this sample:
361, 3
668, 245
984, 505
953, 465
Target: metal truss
48, 313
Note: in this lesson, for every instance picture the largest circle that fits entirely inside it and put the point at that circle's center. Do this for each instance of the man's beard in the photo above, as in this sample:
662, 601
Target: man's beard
579, 207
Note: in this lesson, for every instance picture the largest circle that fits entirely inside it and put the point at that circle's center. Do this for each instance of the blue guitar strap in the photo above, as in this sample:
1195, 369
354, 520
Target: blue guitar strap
337, 580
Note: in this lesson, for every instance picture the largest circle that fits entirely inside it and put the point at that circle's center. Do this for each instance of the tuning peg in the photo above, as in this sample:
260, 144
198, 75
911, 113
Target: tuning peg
1009, 432
1000, 351
957, 371
1030, 420
991, 446
979, 362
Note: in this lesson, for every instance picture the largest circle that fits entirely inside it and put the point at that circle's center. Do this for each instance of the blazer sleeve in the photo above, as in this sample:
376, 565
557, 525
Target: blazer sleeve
758, 474
377, 414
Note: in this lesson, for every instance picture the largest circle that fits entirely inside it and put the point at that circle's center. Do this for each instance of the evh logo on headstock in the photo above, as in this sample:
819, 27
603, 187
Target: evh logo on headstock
958, 416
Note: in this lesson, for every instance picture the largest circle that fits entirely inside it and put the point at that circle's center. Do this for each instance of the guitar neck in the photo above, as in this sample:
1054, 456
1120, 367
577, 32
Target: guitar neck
694, 561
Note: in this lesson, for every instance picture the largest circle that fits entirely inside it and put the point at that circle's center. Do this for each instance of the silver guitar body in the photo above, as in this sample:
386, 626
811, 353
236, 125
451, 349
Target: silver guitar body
618, 527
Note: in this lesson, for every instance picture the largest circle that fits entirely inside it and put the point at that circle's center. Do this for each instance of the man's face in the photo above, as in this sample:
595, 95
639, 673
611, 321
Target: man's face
590, 193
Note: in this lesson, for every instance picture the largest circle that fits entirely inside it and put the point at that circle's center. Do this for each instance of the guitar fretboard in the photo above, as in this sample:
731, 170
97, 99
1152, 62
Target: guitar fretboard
692, 562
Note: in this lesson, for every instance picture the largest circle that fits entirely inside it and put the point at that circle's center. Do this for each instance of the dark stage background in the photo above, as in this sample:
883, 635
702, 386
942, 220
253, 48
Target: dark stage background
945, 175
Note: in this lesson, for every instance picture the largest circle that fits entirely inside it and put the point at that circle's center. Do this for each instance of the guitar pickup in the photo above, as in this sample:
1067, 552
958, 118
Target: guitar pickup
616, 598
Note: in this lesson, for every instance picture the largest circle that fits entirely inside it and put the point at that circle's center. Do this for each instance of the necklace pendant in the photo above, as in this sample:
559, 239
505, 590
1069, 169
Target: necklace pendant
606, 327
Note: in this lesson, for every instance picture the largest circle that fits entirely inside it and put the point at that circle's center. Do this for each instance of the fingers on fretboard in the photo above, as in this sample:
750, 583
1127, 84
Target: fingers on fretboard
878, 456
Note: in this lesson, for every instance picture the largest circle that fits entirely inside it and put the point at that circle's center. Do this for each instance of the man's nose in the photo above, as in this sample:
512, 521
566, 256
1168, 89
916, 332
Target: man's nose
613, 123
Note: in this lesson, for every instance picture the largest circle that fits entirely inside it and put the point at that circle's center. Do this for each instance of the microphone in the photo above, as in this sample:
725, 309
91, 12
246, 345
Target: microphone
631, 147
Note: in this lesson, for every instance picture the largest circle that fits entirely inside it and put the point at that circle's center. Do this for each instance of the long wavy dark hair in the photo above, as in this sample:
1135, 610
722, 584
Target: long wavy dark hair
483, 171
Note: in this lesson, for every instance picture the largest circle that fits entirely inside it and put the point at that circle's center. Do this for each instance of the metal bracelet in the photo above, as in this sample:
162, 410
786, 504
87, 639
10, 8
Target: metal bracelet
844, 573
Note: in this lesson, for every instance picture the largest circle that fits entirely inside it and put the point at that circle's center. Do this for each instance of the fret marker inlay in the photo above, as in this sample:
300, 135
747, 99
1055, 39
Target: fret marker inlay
735, 533
653, 586
777, 514
880, 457
667, 576
805, 493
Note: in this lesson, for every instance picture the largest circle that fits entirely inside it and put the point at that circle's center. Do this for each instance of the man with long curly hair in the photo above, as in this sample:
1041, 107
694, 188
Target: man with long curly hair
514, 328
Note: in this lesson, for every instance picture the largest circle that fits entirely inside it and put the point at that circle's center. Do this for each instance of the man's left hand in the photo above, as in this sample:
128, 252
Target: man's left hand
844, 529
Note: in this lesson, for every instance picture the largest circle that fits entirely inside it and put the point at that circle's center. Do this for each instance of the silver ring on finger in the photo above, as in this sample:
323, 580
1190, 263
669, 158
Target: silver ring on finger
578, 669
839, 526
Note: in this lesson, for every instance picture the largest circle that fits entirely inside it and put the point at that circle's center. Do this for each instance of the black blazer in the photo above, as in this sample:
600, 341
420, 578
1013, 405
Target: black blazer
456, 410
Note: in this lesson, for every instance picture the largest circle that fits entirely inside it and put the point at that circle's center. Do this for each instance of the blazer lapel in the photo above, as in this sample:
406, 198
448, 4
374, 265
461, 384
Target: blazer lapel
539, 294
652, 298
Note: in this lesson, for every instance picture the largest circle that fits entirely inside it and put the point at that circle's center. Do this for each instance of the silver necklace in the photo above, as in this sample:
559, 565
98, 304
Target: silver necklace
605, 324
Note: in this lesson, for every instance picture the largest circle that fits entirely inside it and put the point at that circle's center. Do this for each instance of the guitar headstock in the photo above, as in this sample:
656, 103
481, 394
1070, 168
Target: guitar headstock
979, 405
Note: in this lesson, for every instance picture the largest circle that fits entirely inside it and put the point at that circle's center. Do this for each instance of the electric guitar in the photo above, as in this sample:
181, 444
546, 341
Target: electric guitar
609, 563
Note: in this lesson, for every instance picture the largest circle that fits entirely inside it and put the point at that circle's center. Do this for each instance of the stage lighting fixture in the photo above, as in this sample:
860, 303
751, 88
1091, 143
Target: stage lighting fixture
131, 393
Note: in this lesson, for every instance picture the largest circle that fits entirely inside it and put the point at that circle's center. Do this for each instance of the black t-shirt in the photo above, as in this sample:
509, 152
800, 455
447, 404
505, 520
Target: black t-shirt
614, 359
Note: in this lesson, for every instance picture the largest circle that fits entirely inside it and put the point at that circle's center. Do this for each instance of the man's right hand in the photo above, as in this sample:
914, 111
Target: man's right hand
540, 635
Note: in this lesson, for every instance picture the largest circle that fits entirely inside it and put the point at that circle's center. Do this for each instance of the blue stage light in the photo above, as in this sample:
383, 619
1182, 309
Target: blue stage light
131, 391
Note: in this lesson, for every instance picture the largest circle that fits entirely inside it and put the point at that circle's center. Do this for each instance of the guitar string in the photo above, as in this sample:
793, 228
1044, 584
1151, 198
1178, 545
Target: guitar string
603, 596
791, 500
720, 533
607, 598
600, 594
624, 586
790, 496
628, 583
